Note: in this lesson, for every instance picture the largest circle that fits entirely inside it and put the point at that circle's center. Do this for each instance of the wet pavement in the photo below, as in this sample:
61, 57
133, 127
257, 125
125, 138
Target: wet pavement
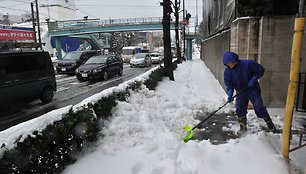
69, 92
219, 129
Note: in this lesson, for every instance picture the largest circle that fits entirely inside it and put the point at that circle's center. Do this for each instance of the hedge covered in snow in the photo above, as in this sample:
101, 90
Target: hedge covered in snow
50, 150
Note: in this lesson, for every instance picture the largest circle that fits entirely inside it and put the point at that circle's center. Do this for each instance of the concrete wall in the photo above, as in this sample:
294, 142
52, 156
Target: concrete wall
276, 37
275, 53
244, 38
267, 40
212, 54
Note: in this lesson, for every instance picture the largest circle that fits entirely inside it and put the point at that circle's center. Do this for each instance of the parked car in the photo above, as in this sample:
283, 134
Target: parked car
141, 60
145, 51
26, 76
156, 57
73, 60
100, 68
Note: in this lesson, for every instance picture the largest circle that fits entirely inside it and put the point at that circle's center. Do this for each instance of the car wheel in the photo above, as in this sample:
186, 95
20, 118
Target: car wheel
47, 95
80, 80
120, 71
105, 75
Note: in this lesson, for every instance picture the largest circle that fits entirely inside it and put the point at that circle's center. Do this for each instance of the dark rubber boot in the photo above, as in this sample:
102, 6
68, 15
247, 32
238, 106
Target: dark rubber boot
270, 124
242, 121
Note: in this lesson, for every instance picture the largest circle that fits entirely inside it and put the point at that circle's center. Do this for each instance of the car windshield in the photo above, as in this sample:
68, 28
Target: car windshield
140, 56
72, 56
97, 60
127, 51
154, 55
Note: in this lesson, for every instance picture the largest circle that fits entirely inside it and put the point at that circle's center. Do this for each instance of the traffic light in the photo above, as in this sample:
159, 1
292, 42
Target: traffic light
188, 15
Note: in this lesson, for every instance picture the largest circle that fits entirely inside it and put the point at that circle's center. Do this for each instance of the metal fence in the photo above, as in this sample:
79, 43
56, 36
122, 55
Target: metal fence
77, 24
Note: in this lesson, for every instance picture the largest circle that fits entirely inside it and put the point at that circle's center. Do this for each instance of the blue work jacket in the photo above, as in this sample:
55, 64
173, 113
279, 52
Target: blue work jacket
238, 77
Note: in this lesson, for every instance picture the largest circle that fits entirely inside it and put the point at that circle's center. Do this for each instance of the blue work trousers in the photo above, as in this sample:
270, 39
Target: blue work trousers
255, 97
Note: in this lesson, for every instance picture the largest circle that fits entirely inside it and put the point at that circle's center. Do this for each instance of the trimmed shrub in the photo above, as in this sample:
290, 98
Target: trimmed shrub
57, 146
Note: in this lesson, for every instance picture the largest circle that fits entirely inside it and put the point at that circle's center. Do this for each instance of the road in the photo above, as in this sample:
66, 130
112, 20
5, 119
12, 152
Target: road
69, 92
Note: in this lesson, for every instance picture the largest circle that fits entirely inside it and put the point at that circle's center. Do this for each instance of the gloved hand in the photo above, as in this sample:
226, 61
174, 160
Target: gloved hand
230, 96
252, 81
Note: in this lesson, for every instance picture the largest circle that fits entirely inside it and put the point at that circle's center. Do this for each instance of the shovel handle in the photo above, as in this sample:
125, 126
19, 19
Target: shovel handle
213, 113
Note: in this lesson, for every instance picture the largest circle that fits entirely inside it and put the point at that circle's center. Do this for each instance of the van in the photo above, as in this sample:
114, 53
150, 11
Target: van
73, 60
25, 77
129, 52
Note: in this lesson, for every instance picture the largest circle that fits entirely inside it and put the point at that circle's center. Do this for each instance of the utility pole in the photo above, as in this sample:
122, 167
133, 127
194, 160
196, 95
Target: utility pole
184, 32
177, 38
293, 78
196, 19
38, 25
167, 10
33, 23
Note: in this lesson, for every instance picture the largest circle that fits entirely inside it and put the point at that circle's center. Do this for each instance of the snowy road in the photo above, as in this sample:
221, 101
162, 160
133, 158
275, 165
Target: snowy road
69, 92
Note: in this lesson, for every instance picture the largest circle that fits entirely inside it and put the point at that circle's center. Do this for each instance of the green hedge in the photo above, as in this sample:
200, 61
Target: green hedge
57, 146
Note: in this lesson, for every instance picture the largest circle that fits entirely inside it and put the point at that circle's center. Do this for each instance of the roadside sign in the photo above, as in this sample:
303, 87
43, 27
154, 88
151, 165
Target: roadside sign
185, 22
20, 34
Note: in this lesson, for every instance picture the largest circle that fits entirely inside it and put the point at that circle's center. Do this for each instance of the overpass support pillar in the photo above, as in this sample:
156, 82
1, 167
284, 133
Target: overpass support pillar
189, 48
58, 46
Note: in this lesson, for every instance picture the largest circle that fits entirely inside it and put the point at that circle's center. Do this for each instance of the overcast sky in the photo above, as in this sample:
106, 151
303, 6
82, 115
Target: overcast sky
103, 9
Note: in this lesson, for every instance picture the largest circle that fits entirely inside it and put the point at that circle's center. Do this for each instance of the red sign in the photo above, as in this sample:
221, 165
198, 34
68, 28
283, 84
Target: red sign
185, 22
16, 35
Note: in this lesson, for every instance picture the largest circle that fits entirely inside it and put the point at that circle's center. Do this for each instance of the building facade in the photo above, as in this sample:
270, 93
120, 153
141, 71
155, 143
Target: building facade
266, 39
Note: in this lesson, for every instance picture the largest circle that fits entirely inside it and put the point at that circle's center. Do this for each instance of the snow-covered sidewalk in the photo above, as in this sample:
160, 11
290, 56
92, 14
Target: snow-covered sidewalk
145, 134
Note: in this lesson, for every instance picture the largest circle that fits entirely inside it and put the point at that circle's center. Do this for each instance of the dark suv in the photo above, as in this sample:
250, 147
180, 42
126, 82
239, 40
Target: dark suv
26, 76
73, 60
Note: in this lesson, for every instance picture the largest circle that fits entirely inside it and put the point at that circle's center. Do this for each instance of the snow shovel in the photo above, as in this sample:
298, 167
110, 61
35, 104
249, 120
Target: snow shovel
189, 129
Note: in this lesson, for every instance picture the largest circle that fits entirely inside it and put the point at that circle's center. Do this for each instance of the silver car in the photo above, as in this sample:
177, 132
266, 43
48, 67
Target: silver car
141, 60
156, 58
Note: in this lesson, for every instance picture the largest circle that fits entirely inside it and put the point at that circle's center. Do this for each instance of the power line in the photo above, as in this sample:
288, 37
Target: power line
120, 5
125, 6
86, 13
13, 5
26, 11
17, 1
15, 9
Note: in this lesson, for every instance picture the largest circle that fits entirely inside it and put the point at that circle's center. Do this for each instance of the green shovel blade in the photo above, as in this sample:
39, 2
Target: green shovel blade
189, 135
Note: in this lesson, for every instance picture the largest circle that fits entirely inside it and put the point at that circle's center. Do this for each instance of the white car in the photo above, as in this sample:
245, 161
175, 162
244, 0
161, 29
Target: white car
156, 58
141, 60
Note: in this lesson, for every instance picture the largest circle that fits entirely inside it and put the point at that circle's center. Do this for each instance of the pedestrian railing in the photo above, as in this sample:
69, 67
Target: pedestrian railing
88, 23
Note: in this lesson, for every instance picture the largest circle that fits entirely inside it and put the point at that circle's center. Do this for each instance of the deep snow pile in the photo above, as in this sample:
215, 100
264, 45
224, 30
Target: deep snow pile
145, 134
